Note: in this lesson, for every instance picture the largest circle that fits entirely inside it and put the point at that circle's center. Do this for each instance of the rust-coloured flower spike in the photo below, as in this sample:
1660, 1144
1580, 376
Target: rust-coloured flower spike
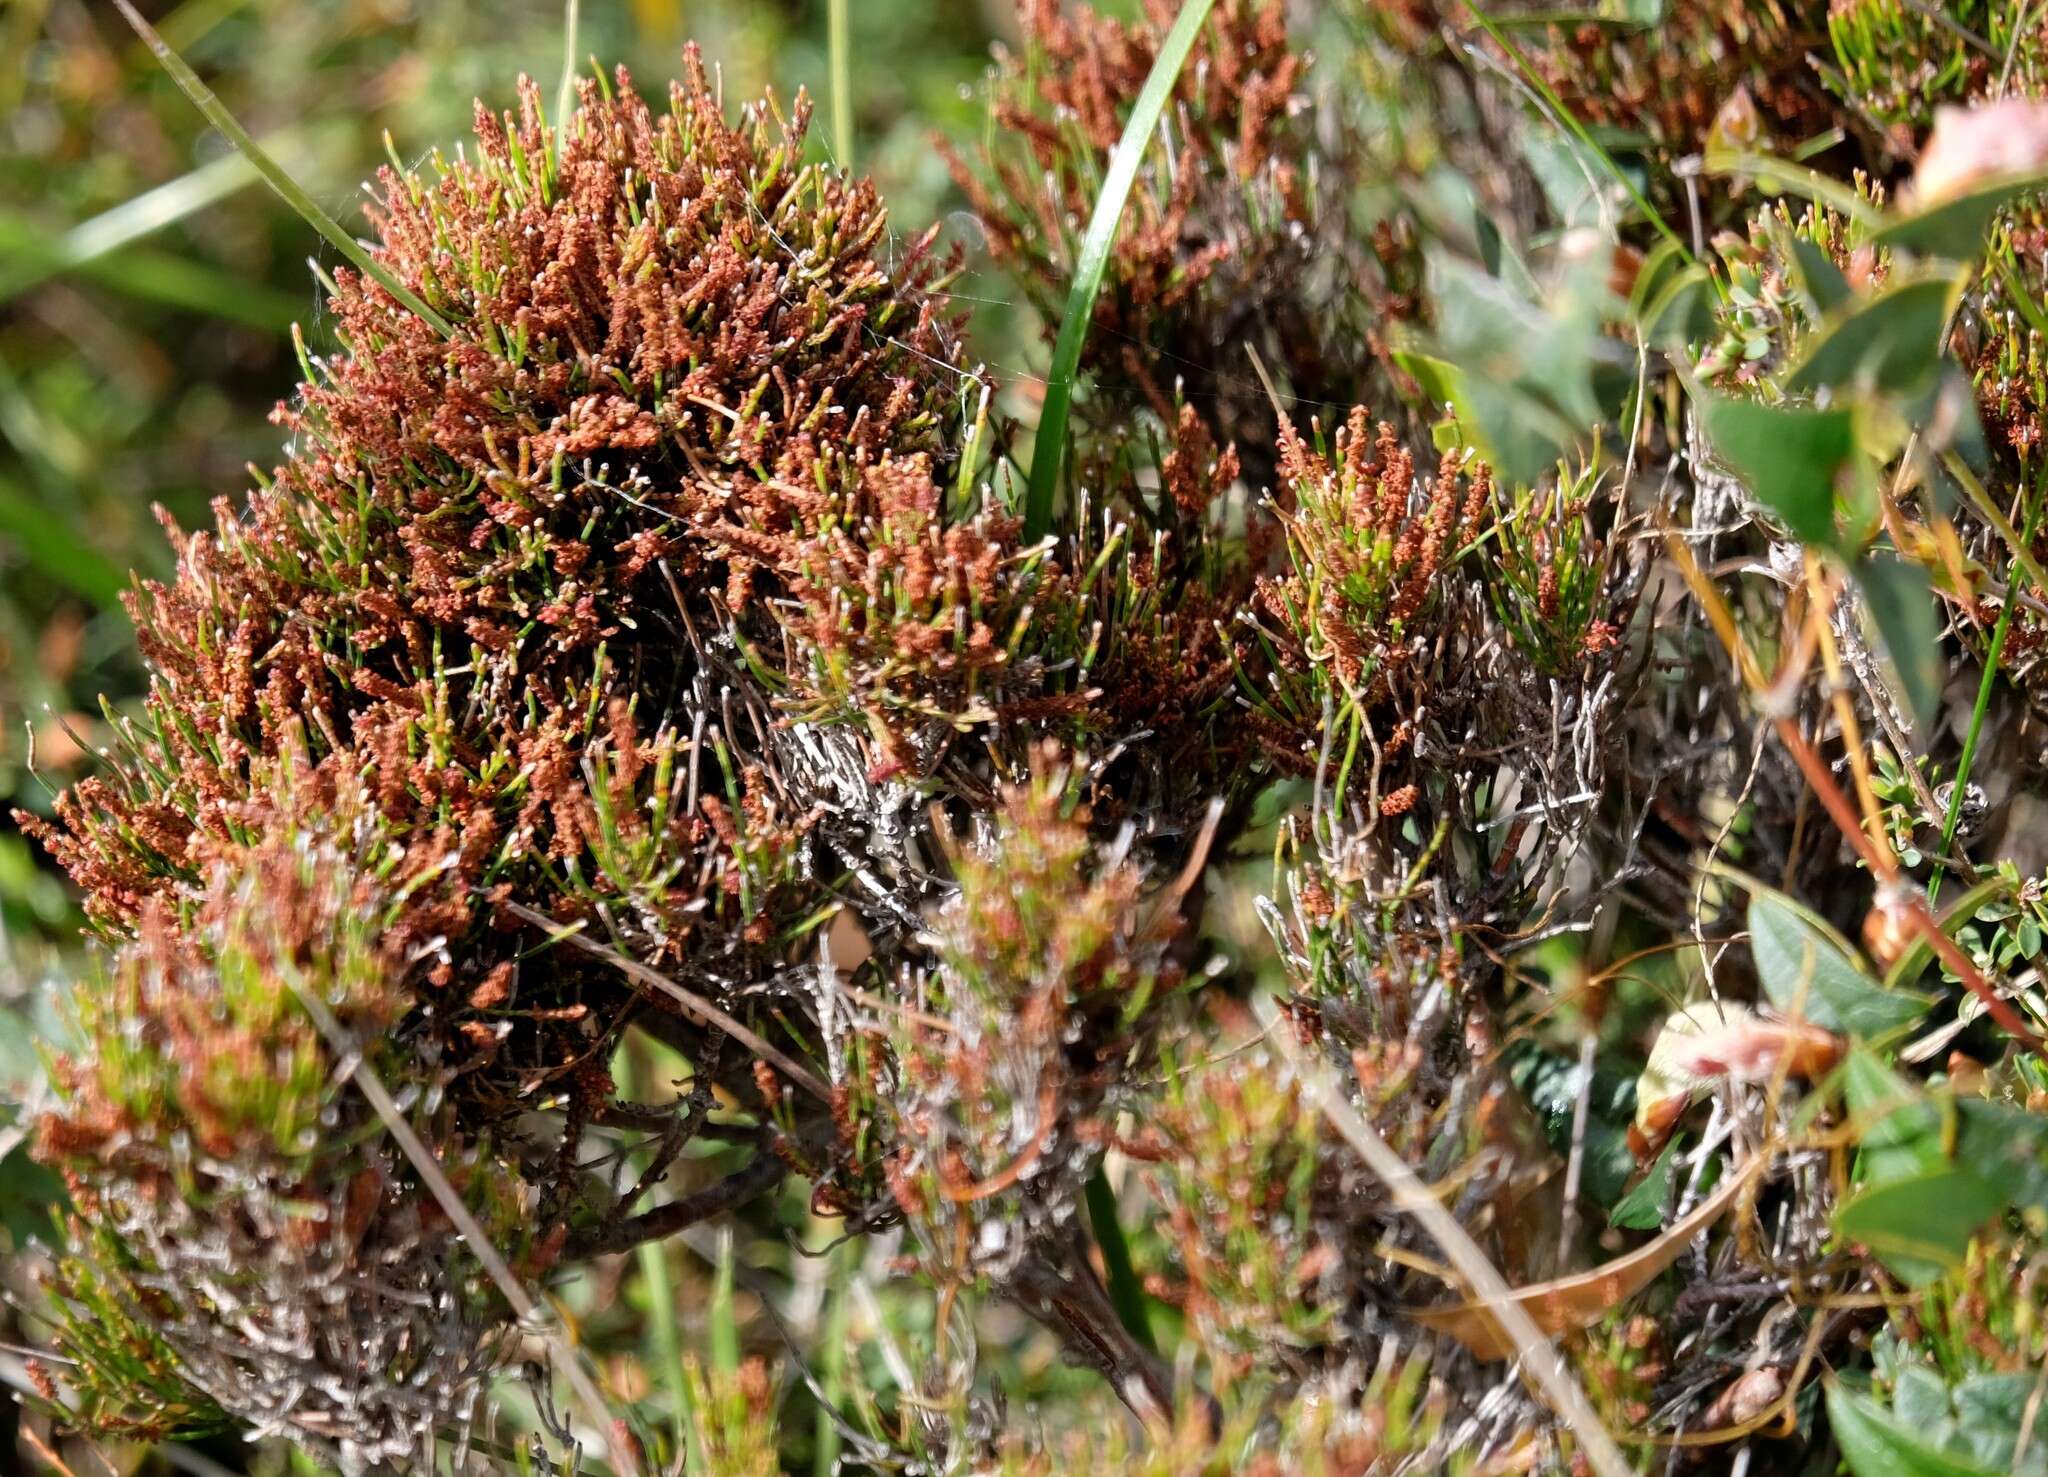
1371, 552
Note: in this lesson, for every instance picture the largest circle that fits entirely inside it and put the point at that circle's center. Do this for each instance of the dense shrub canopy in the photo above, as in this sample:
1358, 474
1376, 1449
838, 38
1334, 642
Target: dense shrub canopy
1514, 754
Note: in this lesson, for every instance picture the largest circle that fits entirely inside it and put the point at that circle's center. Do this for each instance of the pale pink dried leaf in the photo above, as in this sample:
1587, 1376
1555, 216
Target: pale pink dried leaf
1970, 147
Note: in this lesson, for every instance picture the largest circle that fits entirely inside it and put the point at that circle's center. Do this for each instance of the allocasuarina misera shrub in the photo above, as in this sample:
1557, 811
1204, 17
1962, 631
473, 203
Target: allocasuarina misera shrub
656, 601
659, 651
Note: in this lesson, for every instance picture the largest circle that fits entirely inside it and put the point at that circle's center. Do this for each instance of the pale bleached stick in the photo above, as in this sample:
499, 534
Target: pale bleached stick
1538, 1357
703, 1010
528, 1309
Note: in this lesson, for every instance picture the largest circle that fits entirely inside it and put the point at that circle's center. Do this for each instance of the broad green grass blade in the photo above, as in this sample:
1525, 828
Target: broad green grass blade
274, 174
565, 93
149, 276
1049, 449
179, 282
56, 550
839, 39
129, 222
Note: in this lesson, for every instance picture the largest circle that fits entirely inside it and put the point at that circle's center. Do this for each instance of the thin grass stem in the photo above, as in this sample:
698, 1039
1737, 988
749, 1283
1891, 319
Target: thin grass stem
1982, 705
1539, 1357
839, 43
275, 175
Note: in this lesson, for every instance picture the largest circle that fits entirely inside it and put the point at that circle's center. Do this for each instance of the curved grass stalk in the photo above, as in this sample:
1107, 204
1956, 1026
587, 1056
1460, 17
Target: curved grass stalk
275, 175
1579, 131
1048, 450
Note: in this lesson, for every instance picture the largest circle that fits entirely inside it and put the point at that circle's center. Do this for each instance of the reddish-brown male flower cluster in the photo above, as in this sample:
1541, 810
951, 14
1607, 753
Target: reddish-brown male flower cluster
1372, 549
495, 560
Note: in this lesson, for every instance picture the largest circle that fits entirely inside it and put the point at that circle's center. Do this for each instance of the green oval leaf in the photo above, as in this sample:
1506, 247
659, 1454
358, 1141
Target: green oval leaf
1876, 1444
1891, 341
1807, 970
1789, 458
1955, 228
1920, 1226
1820, 280
1899, 1130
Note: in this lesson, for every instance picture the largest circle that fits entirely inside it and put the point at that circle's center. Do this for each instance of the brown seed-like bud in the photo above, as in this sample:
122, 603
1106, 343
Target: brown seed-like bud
1624, 265
1887, 930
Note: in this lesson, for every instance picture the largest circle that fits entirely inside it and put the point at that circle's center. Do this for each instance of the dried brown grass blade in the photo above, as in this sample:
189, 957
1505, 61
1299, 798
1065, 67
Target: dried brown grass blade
1581, 1300
1545, 1370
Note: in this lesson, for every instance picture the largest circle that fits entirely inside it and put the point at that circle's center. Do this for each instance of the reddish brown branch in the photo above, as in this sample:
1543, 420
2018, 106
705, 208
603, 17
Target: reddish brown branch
1886, 870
